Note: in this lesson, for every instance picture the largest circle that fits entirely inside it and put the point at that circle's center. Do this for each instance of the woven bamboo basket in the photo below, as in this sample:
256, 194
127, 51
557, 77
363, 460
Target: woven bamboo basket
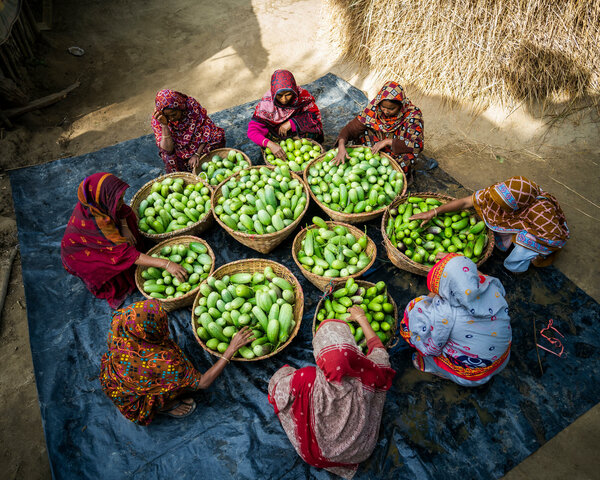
314, 142
252, 265
170, 304
322, 283
261, 243
362, 283
208, 156
402, 261
202, 224
354, 217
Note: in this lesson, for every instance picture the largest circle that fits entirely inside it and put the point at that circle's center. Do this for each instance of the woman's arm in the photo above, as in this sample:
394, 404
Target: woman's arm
257, 133
173, 268
351, 131
358, 315
166, 142
452, 206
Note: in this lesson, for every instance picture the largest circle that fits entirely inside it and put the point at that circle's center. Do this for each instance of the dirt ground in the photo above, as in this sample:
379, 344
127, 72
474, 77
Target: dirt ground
223, 54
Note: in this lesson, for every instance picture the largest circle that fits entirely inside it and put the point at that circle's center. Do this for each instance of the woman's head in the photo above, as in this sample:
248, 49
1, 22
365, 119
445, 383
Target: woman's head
285, 97
146, 321
284, 90
390, 108
172, 104
102, 192
172, 114
516, 193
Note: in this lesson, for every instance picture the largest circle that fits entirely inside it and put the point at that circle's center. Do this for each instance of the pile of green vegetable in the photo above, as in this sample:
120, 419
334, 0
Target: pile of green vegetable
261, 200
373, 300
172, 205
364, 183
219, 168
448, 232
299, 153
263, 301
194, 258
333, 251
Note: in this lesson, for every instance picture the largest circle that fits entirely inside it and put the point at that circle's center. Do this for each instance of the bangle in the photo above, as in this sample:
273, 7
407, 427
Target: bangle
226, 359
435, 212
168, 263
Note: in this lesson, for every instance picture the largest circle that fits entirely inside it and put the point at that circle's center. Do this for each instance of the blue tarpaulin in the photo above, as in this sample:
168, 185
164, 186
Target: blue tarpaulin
431, 428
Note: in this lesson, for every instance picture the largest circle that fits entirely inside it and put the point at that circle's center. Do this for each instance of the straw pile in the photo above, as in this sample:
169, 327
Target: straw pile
501, 51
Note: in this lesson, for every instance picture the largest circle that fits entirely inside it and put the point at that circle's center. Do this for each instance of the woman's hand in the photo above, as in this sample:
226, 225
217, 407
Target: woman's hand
158, 115
425, 216
194, 161
357, 315
277, 150
128, 234
284, 129
177, 271
241, 338
380, 145
440, 255
341, 156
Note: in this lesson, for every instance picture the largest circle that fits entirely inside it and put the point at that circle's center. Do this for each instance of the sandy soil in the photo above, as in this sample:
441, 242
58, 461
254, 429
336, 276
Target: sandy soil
223, 54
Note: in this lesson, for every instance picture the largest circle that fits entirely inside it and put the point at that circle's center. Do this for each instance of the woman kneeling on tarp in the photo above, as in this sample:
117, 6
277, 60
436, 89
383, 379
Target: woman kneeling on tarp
461, 330
183, 131
99, 244
332, 412
519, 212
145, 372
285, 110
390, 123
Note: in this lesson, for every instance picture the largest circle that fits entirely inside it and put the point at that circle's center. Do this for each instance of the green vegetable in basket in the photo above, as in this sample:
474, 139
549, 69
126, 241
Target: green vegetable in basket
219, 168
364, 184
299, 153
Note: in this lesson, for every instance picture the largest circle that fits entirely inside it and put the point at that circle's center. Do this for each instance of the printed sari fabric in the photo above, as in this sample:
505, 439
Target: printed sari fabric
407, 126
332, 412
519, 207
93, 248
194, 128
144, 369
302, 111
463, 333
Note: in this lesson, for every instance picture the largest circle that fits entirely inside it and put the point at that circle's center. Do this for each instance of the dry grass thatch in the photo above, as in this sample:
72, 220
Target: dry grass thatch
506, 51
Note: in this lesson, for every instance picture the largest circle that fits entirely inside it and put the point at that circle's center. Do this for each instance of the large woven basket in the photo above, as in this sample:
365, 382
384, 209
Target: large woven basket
202, 224
323, 283
252, 265
314, 142
171, 304
362, 283
261, 243
207, 158
354, 217
402, 261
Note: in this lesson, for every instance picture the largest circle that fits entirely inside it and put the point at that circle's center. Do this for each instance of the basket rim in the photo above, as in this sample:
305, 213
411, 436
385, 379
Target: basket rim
181, 231
264, 236
333, 280
298, 302
314, 142
203, 158
415, 265
357, 217
359, 282
156, 248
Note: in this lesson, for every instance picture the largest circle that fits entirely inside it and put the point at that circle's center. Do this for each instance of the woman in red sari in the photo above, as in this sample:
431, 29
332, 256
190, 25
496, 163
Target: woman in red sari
183, 131
285, 110
332, 412
99, 244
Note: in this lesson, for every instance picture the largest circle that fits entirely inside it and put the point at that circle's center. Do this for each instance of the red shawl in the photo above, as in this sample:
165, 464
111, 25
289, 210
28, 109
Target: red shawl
93, 248
302, 110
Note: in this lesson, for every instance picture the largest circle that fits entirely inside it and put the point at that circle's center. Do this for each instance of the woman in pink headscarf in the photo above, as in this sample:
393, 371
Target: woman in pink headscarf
183, 131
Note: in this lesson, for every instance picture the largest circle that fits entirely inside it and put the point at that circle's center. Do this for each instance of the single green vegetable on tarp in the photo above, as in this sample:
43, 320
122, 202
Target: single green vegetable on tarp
373, 300
448, 232
364, 183
333, 251
299, 153
172, 205
261, 200
263, 301
219, 168
194, 258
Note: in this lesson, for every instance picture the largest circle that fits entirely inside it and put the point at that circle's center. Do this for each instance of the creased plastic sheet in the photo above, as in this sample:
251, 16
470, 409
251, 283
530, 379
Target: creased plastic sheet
431, 428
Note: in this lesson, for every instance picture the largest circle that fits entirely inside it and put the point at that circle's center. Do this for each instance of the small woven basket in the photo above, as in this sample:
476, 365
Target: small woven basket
252, 265
202, 224
221, 152
323, 283
261, 243
402, 261
170, 304
354, 217
361, 283
264, 155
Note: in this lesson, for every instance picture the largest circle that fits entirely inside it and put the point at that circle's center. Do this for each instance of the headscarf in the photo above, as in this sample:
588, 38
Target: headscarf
194, 127
92, 247
332, 412
519, 206
143, 368
272, 113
